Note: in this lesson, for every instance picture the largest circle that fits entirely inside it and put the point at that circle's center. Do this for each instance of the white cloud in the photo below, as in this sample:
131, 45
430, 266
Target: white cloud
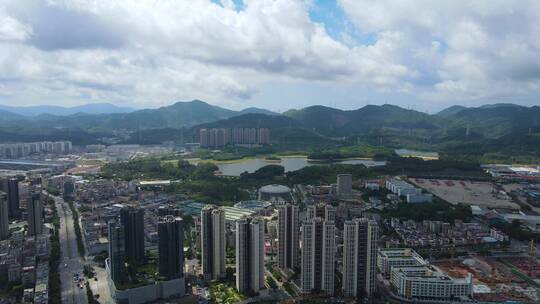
151, 53
483, 50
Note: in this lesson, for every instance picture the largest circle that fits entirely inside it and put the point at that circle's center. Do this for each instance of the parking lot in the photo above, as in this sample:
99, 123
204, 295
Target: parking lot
468, 192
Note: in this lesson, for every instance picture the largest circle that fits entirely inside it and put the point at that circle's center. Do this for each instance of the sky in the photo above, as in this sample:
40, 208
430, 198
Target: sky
276, 54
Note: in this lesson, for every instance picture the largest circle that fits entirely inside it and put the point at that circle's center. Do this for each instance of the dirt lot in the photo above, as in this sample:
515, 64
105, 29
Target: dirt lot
467, 192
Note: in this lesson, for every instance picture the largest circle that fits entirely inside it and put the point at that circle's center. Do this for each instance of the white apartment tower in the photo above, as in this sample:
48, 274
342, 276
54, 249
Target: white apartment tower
359, 257
318, 256
250, 254
213, 242
288, 231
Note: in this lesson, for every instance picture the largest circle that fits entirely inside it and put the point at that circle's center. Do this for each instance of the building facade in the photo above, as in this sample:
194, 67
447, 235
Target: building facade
11, 187
288, 241
344, 184
132, 220
359, 258
117, 252
213, 242
219, 137
318, 256
171, 247
249, 254
35, 215
4, 219
397, 257
324, 211
427, 282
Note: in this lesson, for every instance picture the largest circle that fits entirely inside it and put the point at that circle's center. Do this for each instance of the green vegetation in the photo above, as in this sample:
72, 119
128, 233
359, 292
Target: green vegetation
326, 174
77, 229
55, 286
438, 210
224, 294
289, 289
443, 167
516, 231
362, 151
53, 191
271, 282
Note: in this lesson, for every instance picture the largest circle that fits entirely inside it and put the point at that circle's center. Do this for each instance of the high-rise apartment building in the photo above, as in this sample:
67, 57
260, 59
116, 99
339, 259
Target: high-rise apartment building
359, 258
132, 220
171, 247
318, 256
218, 137
288, 231
4, 219
324, 211
35, 215
250, 254
117, 252
11, 187
213, 242
344, 184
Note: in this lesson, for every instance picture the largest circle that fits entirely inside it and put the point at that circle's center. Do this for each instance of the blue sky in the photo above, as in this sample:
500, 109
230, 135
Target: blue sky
275, 54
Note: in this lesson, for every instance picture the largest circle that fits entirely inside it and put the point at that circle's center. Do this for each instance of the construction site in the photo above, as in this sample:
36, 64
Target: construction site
483, 194
498, 279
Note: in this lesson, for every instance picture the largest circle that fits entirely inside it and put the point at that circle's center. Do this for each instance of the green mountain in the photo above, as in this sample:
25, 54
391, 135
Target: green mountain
335, 122
496, 121
450, 111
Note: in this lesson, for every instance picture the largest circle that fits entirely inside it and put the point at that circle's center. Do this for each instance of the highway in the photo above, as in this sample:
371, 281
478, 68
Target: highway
71, 294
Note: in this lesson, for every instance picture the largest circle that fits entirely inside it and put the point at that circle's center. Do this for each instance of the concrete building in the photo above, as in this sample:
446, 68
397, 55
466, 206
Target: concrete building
427, 282
4, 219
250, 254
132, 220
35, 215
318, 256
288, 230
213, 242
419, 198
344, 184
12, 186
171, 247
275, 193
324, 211
359, 258
117, 252
397, 257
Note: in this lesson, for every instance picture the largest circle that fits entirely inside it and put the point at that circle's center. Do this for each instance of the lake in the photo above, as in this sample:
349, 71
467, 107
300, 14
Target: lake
235, 168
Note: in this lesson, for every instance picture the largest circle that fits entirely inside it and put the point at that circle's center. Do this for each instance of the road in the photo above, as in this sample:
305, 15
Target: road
71, 294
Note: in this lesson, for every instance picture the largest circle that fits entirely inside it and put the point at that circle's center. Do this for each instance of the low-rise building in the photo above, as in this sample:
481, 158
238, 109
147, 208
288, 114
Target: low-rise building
427, 282
397, 257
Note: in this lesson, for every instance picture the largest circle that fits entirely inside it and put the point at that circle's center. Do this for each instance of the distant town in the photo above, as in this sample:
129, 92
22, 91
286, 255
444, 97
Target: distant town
143, 224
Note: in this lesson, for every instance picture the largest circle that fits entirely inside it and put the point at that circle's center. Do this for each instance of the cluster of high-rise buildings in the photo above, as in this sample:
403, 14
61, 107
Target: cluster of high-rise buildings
17, 150
219, 137
10, 208
126, 244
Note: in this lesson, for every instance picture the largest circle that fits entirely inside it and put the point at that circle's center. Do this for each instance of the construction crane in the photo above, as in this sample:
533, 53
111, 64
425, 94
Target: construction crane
532, 248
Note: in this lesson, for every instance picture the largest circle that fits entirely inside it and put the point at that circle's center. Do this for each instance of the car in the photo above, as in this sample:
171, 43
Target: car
65, 265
